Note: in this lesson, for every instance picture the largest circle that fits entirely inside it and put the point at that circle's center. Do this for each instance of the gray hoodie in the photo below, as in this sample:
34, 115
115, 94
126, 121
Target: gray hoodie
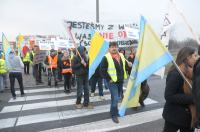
15, 63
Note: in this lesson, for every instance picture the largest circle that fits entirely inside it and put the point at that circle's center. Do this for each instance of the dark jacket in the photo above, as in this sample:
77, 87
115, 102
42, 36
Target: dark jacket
97, 72
196, 87
119, 69
78, 68
60, 55
176, 108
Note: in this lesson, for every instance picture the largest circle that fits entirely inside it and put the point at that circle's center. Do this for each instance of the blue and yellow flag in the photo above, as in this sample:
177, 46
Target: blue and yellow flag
151, 55
19, 42
98, 48
6, 48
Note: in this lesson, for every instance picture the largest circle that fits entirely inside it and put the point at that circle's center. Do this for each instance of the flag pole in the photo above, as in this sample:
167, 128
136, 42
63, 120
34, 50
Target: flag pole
74, 43
179, 70
186, 22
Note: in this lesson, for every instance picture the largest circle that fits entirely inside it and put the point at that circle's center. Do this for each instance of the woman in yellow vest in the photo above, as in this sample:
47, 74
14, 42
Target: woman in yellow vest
26, 61
113, 70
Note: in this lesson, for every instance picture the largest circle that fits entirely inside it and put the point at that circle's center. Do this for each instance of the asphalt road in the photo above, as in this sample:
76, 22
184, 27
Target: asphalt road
50, 109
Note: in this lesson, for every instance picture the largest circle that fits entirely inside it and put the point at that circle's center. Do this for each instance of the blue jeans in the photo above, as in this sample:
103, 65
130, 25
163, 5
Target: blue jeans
82, 85
94, 80
105, 83
114, 91
53, 73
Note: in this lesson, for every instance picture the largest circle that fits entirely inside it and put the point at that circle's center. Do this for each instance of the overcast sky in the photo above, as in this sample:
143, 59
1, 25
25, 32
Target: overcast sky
45, 17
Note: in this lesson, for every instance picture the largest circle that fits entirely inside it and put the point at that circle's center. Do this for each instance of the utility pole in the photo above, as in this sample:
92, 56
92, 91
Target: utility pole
97, 11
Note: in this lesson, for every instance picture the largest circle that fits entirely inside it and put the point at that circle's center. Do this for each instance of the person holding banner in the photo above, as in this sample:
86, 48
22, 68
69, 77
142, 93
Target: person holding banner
66, 71
37, 67
113, 70
52, 62
80, 67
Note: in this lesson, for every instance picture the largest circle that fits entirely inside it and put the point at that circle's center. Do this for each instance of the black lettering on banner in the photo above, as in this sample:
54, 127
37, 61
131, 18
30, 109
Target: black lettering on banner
69, 23
84, 23
74, 24
110, 27
77, 36
79, 25
87, 26
97, 26
121, 26
92, 26
102, 26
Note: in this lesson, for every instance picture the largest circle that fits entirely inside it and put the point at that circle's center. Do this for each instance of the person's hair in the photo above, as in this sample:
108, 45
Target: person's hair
124, 52
182, 55
113, 44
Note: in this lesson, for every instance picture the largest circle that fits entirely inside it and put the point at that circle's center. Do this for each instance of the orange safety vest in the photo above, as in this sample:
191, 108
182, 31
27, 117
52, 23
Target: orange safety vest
52, 61
67, 70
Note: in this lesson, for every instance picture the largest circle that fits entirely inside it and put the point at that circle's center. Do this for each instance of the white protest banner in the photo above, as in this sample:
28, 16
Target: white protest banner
110, 32
132, 33
62, 43
39, 57
45, 44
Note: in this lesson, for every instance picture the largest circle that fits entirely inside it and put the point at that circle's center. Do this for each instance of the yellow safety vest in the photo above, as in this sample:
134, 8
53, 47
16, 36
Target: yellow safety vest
111, 67
3, 68
26, 58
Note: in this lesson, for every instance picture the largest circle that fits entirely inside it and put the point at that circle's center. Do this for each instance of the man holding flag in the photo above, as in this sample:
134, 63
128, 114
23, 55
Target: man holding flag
113, 70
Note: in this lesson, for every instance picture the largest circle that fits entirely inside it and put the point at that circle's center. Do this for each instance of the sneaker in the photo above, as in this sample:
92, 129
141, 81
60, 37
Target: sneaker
41, 82
92, 94
68, 91
79, 106
89, 106
115, 120
14, 97
56, 83
2, 91
142, 104
101, 98
22, 95
49, 84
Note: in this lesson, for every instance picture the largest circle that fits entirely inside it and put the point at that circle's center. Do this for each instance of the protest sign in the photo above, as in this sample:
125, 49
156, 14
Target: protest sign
39, 57
110, 32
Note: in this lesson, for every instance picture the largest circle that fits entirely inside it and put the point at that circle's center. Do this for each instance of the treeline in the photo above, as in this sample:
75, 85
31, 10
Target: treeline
176, 45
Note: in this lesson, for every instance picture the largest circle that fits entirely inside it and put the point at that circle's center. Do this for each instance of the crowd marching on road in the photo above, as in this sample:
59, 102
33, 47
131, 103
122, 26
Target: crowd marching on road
72, 67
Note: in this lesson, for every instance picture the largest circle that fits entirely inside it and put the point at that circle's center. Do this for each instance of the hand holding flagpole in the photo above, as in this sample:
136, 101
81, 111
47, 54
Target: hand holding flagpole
74, 43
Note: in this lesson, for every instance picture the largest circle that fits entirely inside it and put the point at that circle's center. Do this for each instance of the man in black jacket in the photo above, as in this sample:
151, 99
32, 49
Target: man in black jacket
196, 87
113, 70
80, 68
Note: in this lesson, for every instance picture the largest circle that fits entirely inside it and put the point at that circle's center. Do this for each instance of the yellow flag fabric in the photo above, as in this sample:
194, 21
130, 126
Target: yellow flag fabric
151, 55
98, 48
